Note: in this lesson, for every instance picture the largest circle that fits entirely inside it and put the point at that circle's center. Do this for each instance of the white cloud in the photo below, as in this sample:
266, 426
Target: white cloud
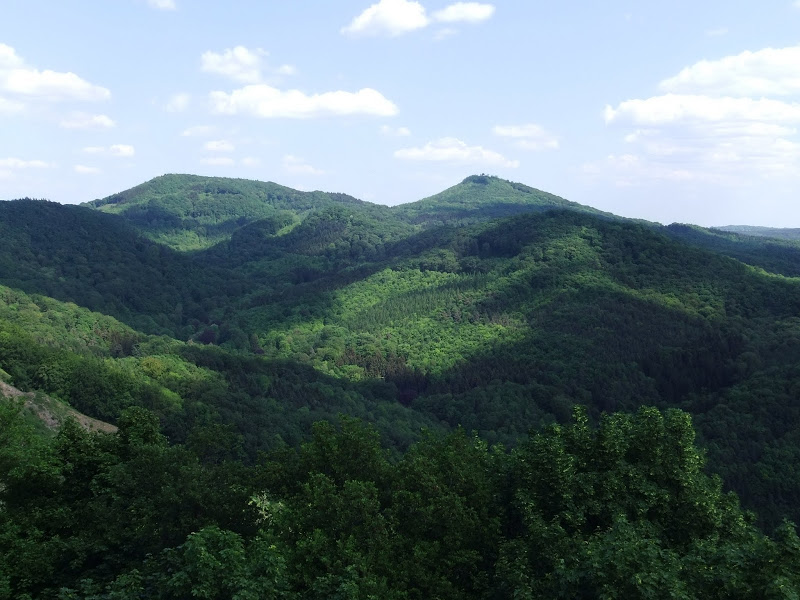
767, 72
199, 131
123, 150
51, 85
85, 170
218, 161
529, 136
268, 102
251, 161
388, 17
219, 146
239, 63
672, 108
18, 163
163, 4
9, 59
10, 107
468, 12
454, 150
729, 121
120, 150
178, 102
298, 166
396, 17
389, 131
18, 78
85, 121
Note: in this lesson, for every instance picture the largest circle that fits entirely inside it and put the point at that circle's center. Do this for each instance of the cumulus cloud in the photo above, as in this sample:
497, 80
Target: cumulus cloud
178, 102
18, 163
10, 107
468, 12
162, 4
724, 121
238, 63
390, 131
389, 17
242, 64
767, 72
86, 170
529, 136
672, 108
86, 121
453, 150
298, 166
219, 146
9, 59
397, 17
268, 102
18, 78
120, 150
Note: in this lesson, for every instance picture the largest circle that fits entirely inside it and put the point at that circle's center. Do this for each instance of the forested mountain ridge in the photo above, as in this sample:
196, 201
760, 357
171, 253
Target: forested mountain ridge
772, 232
190, 212
482, 197
779, 254
428, 317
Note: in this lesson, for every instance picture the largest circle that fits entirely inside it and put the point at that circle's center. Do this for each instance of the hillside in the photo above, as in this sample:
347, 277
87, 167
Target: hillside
189, 212
482, 197
491, 308
771, 232
774, 254
51, 414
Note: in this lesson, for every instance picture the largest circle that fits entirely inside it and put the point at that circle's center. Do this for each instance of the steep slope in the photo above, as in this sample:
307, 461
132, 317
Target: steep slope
97, 261
778, 254
483, 197
50, 414
503, 326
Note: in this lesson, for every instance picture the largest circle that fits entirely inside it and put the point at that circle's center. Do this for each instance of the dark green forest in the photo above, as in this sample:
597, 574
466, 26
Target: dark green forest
490, 393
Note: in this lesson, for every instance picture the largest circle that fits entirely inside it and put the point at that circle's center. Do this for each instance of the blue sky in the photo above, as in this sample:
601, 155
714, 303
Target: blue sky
669, 111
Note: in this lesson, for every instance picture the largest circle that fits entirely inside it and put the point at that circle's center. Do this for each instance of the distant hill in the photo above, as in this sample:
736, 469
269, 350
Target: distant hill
774, 254
772, 232
190, 212
482, 197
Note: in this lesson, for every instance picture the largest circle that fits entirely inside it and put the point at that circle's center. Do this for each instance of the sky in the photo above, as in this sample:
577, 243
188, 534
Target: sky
668, 111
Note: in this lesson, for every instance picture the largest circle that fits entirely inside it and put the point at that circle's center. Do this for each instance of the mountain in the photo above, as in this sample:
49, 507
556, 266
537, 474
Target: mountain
771, 232
215, 321
773, 254
482, 197
189, 212
496, 324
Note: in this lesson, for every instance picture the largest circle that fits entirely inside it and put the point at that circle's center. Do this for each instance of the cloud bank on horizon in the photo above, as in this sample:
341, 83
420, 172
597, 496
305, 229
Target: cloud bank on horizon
646, 113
